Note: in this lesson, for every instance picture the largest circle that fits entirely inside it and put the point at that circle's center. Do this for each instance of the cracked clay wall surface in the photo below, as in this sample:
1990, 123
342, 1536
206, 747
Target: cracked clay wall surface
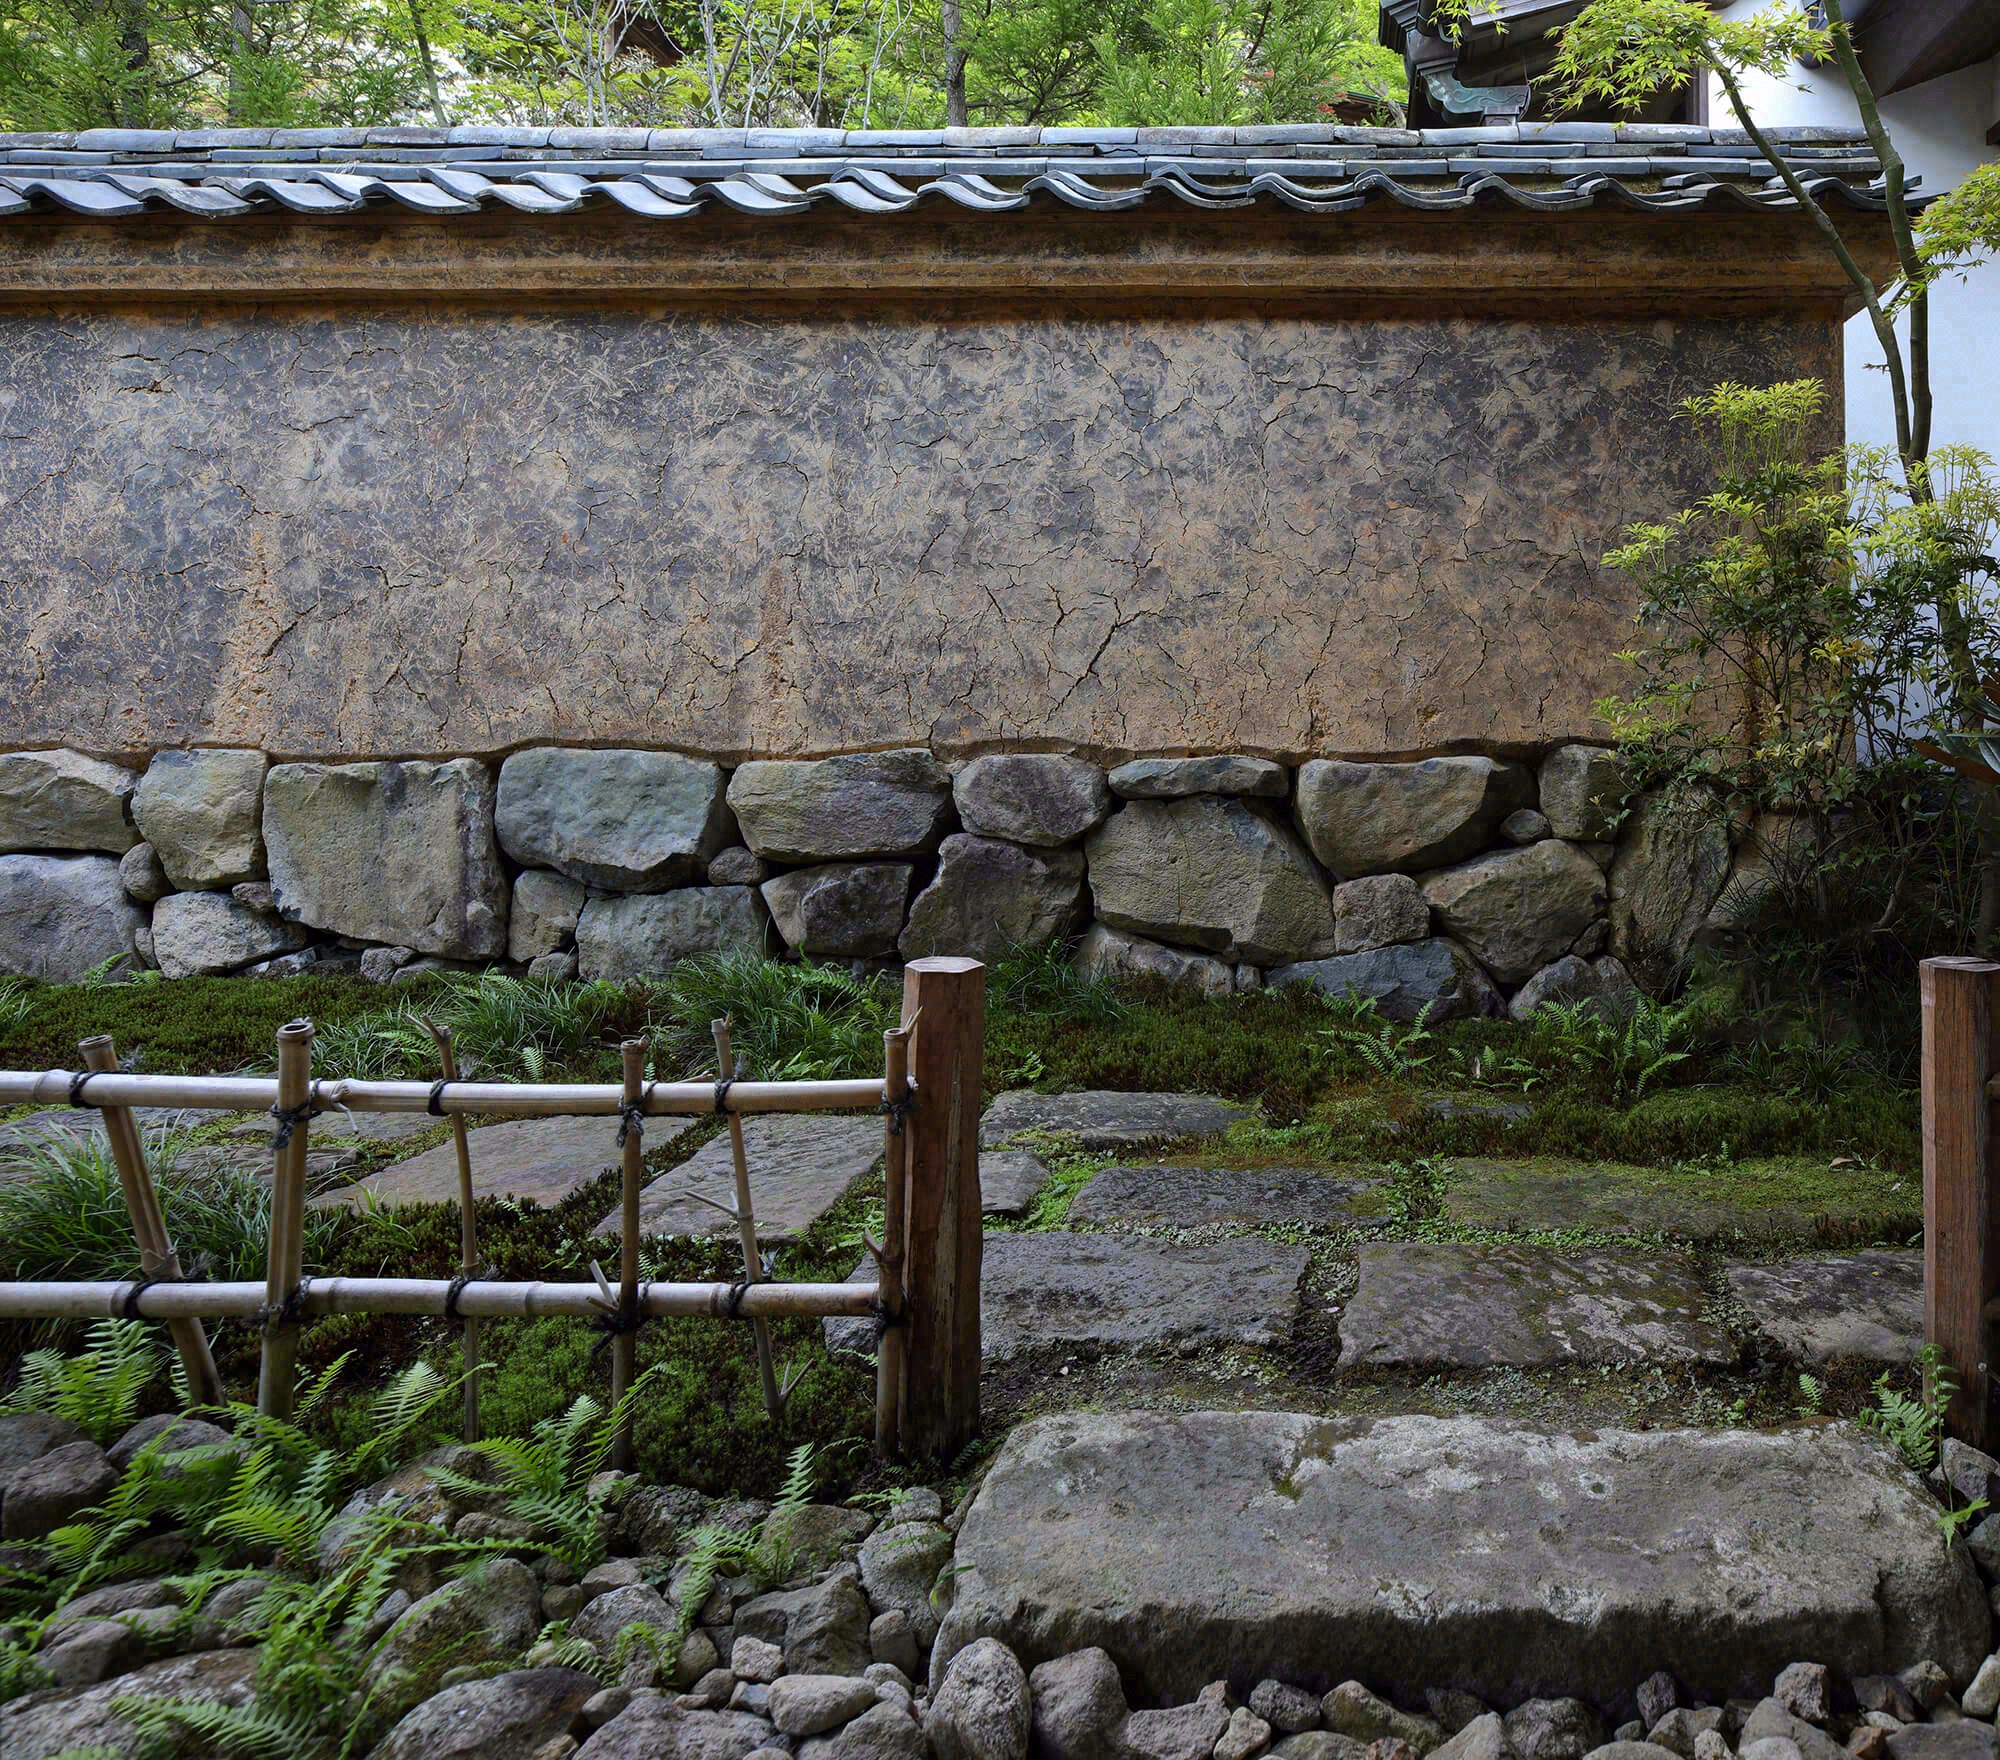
333, 532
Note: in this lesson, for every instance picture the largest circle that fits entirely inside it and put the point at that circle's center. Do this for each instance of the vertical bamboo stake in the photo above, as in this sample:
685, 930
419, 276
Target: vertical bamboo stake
1961, 1044
468, 1229
895, 1227
149, 1227
278, 1364
625, 1343
746, 1228
945, 1233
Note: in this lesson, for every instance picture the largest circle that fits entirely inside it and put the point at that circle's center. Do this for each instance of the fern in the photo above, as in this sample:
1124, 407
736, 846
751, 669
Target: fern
1388, 1048
1915, 1426
98, 1389
1812, 1396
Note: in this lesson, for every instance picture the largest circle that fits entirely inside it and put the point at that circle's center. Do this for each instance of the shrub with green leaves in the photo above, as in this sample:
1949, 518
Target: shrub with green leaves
788, 1022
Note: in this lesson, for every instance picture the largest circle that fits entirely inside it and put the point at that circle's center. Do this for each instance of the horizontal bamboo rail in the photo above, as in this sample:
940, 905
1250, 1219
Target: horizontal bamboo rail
427, 1295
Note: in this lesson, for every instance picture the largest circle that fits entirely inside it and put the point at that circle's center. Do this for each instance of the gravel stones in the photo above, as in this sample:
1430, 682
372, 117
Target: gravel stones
1200, 1197
1245, 1735
653, 1727
1111, 954
1287, 1709
625, 821
1805, 1690
842, 809
399, 853
1351, 1710
1518, 909
822, 1629
809, 1704
801, 1165
1436, 1304
1968, 1740
1982, 1696
842, 910
1146, 779
1404, 818
202, 811
63, 916
1079, 1704
1553, 1729
197, 933
980, 1710
498, 1718
1402, 981
1846, 1304
1031, 798
1379, 911
142, 876
545, 911
45, 1492
1180, 1732
490, 1616
1483, 1737
1418, 1549
27, 1436
1213, 873
899, 1568
1103, 1118
63, 800
1671, 866
641, 935
989, 897
1582, 790
40, 1726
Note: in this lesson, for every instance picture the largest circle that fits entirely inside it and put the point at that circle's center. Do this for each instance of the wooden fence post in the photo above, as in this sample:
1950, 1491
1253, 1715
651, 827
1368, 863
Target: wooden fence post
1961, 1035
944, 1233
277, 1366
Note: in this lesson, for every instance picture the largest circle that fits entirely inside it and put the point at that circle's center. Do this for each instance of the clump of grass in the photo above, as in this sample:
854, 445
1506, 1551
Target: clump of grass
789, 1022
1044, 980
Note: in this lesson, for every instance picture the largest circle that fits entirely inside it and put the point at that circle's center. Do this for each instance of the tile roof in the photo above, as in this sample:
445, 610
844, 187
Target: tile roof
671, 173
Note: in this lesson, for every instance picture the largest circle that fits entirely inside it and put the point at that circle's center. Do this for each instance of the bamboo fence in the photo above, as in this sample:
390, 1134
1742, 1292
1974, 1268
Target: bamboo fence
926, 1311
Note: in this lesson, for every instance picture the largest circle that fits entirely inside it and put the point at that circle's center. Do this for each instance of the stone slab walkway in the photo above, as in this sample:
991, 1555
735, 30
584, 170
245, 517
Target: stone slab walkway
530, 1160
1199, 1197
1406, 1551
1010, 1180
1103, 1119
801, 1165
1845, 1304
1432, 1305
1096, 1292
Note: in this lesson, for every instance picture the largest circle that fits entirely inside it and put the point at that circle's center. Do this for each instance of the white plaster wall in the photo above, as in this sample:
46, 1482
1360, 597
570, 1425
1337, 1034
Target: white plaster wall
1940, 128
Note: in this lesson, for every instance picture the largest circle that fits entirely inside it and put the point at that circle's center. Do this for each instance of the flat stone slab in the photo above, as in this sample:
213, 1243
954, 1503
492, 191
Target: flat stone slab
530, 1160
1105, 1119
801, 1165
1436, 1305
1201, 1197
1844, 1305
1009, 1181
1759, 1200
361, 1127
1406, 1551
1059, 1291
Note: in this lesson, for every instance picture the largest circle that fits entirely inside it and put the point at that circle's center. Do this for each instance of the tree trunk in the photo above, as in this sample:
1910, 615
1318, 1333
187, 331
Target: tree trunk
954, 68
134, 36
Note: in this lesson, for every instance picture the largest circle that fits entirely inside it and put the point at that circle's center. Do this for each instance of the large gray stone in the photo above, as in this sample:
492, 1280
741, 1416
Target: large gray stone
1114, 956
990, 897
144, 879
202, 811
980, 1710
40, 1726
1602, 984
1210, 872
1010, 1180
63, 916
208, 932
1205, 1197
1379, 910
27, 1436
1847, 1304
627, 821
504, 1717
63, 800
1582, 791
1404, 818
822, 1629
526, 1160
1671, 867
843, 910
1518, 909
543, 918
801, 1165
842, 809
1030, 797
400, 853
899, 1568
1105, 1118
644, 934
1401, 980
489, 1616
1411, 1550
1163, 779
653, 1727
55, 1486
1443, 1304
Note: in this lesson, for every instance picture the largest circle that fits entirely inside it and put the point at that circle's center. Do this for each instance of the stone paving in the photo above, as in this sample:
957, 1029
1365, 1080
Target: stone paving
1851, 1304
1198, 1197
1106, 1120
801, 1165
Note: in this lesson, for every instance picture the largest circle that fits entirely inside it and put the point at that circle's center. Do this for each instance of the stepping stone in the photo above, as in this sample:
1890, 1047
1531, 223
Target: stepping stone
1105, 1119
1197, 1197
1405, 1551
801, 1165
75, 1122
1054, 1291
361, 1127
1009, 1181
1450, 1108
1772, 1199
1443, 1305
531, 1160
1845, 1305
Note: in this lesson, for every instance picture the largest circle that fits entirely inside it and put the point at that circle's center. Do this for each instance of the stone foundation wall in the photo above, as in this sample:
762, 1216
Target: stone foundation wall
1473, 883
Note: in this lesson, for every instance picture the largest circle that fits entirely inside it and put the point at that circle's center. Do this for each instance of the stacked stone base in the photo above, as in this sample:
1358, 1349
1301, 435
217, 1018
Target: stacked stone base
1466, 883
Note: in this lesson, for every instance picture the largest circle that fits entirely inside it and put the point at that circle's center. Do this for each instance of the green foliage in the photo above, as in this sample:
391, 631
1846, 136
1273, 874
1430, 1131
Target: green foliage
1914, 1425
1961, 229
1952, 1521
1397, 1050
1623, 53
1044, 980
1417, 1188
98, 1389
1812, 1396
789, 1022
1627, 1055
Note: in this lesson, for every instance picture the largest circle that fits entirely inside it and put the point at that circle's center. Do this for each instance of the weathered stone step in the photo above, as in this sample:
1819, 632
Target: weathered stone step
801, 1165
1202, 1197
1843, 1304
1107, 1119
1442, 1305
1408, 1551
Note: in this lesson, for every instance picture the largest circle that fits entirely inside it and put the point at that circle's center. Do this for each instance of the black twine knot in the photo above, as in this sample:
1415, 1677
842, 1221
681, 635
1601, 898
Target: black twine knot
457, 1289
77, 1084
290, 1312
619, 1322
897, 1111
132, 1295
631, 1121
737, 1291
435, 1105
290, 1118
884, 1320
722, 1088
